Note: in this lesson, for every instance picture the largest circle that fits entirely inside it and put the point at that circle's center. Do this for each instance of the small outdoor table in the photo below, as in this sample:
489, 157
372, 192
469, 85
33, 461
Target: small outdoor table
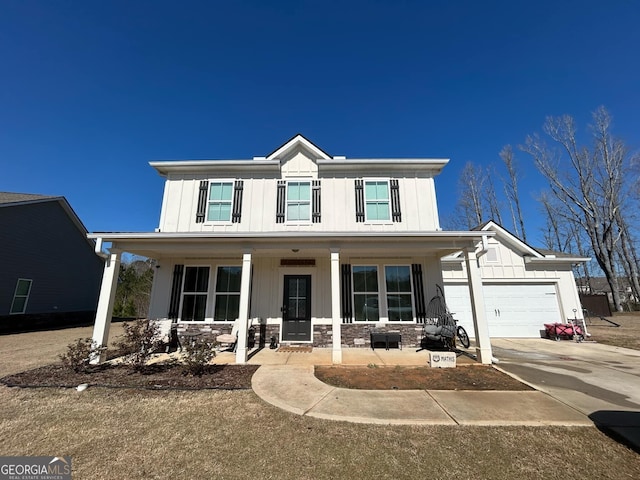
386, 338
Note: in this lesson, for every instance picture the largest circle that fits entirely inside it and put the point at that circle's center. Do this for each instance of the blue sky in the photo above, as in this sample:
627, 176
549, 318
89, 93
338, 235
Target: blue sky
91, 91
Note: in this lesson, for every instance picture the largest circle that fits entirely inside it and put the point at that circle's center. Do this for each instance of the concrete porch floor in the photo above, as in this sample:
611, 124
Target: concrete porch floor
350, 356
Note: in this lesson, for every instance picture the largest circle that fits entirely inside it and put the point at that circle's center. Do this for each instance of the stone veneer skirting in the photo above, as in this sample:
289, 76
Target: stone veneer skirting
357, 335
354, 335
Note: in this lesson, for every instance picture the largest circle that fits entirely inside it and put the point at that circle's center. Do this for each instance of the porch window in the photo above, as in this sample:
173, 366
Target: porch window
398, 285
227, 300
220, 202
376, 195
366, 303
194, 293
20, 296
299, 201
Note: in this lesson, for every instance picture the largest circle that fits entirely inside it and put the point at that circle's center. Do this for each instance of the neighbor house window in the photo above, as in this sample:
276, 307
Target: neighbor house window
376, 197
298, 201
398, 286
194, 293
21, 296
220, 202
227, 301
366, 300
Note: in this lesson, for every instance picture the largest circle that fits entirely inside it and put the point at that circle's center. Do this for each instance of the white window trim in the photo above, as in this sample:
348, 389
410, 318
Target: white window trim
286, 201
206, 213
367, 220
207, 309
214, 291
15, 295
383, 307
354, 293
411, 294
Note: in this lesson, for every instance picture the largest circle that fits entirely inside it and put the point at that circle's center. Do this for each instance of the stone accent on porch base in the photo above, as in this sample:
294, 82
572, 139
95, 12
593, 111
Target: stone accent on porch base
261, 336
358, 335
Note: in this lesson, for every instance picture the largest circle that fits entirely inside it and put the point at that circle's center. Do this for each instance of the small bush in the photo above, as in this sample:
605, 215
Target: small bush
197, 354
79, 353
140, 339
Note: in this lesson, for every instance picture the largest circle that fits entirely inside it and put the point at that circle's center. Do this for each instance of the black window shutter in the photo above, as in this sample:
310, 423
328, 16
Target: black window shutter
176, 289
282, 185
396, 216
237, 201
359, 201
418, 292
346, 301
202, 201
315, 202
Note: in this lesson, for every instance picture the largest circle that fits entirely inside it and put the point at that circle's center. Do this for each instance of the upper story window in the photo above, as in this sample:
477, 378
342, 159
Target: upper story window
219, 204
376, 197
298, 201
220, 201
20, 296
377, 200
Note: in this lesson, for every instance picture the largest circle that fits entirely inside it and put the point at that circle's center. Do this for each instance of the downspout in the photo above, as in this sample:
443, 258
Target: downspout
98, 249
485, 246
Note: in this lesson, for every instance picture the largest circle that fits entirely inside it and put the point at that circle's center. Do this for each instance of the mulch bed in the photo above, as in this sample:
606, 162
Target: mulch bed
156, 377
469, 377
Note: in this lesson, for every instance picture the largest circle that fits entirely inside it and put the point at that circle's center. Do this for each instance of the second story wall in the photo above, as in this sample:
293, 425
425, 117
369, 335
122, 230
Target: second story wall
300, 192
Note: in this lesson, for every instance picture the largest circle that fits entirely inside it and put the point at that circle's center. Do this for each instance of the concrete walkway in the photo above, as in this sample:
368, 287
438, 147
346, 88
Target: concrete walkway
287, 381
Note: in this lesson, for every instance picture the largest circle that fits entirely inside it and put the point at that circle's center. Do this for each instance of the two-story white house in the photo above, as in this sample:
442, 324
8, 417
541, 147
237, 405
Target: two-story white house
312, 249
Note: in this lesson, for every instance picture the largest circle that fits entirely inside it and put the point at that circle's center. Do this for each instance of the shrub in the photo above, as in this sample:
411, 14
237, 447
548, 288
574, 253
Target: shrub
197, 354
138, 342
79, 353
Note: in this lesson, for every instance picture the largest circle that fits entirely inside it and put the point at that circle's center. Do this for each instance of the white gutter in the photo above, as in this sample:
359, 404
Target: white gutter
98, 247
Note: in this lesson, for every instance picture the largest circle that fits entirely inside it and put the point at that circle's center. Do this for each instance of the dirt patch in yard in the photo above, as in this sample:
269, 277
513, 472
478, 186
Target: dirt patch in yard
470, 377
627, 335
157, 376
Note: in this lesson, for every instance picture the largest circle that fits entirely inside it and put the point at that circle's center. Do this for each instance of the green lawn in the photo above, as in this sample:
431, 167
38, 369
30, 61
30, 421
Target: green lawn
129, 434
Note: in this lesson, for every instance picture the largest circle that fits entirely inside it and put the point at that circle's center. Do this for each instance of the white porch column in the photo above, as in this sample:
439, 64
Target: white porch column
104, 310
243, 315
483, 342
336, 321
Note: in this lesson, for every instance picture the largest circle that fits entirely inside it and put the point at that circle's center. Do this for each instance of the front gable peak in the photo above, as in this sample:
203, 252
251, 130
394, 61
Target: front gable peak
296, 145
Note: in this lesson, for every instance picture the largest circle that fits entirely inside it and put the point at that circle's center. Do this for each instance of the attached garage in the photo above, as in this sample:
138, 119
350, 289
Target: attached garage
515, 310
523, 287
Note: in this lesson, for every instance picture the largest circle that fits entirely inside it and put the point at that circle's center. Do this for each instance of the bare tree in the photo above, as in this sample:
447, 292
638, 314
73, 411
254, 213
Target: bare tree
491, 197
511, 190
470, 199
588, 182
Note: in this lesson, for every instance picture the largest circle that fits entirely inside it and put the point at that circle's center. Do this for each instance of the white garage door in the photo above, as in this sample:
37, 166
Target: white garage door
512, 310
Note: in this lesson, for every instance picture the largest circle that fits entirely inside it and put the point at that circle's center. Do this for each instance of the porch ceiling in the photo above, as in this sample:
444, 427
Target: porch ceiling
301, 244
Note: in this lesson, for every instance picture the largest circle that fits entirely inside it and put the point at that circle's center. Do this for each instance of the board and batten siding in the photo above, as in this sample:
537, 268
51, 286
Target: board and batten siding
417, 204
505, 266
40, 242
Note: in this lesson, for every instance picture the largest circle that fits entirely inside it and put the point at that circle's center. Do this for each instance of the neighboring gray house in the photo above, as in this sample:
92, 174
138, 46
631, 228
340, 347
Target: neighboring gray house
49, 272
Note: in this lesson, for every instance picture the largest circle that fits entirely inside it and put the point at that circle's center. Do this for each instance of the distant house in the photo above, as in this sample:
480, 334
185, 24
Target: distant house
325, 251
49, 272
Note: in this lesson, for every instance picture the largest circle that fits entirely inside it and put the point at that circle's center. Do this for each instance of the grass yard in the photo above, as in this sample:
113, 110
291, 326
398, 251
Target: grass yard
135, 434
627, 335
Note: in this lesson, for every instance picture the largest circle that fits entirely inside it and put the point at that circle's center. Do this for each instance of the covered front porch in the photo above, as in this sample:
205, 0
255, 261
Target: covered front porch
311, 274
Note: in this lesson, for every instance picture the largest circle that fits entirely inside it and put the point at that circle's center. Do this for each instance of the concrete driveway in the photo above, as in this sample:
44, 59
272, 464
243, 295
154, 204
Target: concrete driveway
601, 381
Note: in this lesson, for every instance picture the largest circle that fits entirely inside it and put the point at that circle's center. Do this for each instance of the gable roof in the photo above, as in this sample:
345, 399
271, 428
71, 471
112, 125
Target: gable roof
11, 199
298, 142
525, 250
326, 163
